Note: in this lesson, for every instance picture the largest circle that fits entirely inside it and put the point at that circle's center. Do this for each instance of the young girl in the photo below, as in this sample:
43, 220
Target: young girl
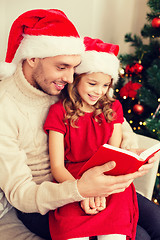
78, 125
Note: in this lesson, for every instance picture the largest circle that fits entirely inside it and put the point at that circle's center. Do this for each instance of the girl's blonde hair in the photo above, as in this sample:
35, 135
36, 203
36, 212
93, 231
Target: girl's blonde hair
72, 103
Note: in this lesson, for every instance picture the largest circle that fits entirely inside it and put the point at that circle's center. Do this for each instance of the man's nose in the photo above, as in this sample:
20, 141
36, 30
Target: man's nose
68, 76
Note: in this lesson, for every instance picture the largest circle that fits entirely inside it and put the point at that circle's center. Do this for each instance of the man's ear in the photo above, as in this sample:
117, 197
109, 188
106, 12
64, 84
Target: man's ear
32, 61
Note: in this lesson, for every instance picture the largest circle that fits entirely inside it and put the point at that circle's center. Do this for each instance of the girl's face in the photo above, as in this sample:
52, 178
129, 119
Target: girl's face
91, 88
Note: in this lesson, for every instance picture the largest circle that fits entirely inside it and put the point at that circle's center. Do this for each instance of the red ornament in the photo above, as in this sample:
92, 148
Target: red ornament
156, 22
129, 69
138, 109
137, 68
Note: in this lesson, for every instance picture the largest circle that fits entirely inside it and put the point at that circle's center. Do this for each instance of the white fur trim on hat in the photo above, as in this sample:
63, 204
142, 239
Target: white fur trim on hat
48, 46
6, 69
93, 61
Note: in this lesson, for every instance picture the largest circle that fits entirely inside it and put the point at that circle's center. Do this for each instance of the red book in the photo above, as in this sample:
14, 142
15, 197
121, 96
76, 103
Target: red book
126, 161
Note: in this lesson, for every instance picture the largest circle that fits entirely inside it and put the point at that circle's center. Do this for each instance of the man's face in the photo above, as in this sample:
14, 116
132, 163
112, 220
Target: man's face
51, 74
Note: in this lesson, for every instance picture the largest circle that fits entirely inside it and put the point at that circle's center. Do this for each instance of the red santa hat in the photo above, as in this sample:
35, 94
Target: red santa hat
40, 33
99, 57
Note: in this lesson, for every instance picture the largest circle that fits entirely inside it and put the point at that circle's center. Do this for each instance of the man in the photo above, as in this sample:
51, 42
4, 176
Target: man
43, 49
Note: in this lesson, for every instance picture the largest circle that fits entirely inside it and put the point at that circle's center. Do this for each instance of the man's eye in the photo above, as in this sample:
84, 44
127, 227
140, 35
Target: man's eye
61, 68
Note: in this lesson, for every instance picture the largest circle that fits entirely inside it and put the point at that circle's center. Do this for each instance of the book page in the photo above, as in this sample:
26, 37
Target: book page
144, 155
122, 150
150, 151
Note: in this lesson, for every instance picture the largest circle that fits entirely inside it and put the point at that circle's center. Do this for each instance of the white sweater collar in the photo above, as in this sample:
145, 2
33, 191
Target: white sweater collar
28, 94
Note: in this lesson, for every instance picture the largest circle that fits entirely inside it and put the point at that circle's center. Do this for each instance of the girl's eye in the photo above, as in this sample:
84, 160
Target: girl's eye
92, 84
106, 85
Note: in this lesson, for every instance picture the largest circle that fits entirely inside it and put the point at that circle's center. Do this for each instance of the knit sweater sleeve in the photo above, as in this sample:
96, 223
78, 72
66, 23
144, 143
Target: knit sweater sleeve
16, 179
129, 138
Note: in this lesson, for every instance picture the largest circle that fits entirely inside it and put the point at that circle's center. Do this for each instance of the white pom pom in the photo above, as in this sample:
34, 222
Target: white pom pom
111, 91
6, 69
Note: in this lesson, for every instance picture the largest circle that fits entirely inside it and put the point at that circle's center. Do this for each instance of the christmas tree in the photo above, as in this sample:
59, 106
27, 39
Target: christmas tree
138, 88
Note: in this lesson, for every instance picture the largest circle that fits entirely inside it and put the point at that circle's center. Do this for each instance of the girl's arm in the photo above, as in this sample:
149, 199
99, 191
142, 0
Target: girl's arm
56, 154
116, 138
60, 173
94, 205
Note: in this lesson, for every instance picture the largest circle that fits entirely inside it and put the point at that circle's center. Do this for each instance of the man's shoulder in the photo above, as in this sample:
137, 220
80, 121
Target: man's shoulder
4, 85
6, 98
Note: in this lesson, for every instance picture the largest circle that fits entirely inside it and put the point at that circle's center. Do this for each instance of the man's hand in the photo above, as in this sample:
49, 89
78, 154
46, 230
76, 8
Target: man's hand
94, 183
93, 205
146, 167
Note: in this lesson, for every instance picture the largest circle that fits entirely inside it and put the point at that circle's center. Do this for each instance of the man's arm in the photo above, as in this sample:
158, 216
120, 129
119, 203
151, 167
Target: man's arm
129, 138
16, 166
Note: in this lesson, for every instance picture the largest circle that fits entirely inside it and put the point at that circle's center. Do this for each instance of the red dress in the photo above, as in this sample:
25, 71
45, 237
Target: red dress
70, 221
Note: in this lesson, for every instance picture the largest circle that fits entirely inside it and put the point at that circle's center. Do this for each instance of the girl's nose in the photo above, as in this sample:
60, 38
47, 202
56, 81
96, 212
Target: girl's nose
98, 91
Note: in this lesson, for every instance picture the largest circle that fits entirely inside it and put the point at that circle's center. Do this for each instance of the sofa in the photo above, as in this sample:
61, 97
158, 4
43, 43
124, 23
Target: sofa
145, 185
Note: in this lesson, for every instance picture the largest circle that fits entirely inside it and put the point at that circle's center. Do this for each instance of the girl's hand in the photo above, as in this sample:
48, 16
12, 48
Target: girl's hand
100, 203
93, 205
88, 205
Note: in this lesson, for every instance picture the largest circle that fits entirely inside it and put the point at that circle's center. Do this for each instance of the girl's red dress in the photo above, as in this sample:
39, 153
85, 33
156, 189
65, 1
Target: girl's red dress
121, 213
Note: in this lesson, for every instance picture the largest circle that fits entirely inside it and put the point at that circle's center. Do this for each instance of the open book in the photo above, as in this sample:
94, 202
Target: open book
126, 161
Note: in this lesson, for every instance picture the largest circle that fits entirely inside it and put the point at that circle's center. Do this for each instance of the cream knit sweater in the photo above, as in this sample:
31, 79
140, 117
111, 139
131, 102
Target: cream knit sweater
25, 175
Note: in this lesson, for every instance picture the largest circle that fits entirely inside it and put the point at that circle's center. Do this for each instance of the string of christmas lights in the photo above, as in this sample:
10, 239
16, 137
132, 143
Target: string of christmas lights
138, 88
